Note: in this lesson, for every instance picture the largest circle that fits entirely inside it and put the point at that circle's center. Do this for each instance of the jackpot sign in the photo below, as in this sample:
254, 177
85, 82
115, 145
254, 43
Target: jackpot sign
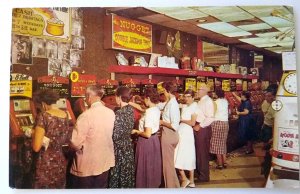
131, 35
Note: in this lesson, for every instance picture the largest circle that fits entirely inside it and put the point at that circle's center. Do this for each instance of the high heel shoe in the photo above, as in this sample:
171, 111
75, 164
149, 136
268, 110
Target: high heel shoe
220, 167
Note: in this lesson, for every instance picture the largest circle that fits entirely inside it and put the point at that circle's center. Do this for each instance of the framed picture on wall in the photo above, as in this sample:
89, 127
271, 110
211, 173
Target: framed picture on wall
63, 50
78, 42
21, 49
75, 58
66, 68
51, 49
54, 67
38, 47
76, 13
76, 27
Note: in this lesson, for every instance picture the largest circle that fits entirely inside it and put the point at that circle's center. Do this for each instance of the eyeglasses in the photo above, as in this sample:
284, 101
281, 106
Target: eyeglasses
187, 96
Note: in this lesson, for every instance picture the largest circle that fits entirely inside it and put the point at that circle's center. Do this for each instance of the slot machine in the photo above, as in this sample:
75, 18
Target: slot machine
110, 87
135, 86
22, 118
79, 82
285, 152
61, 86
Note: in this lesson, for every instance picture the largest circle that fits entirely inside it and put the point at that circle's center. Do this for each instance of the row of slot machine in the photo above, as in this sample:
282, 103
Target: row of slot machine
23, 111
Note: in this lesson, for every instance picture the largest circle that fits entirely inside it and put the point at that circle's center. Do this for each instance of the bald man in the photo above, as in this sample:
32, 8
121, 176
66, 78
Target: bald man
202, 132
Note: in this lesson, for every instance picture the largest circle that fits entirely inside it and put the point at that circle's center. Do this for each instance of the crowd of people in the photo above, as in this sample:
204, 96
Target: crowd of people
105, 155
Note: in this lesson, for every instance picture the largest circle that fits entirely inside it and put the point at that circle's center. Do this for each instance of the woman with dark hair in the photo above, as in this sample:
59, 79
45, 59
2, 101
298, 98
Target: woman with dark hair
185, 158
169, 137
51, 133
148, 154
122, 175
220, 128
244, 112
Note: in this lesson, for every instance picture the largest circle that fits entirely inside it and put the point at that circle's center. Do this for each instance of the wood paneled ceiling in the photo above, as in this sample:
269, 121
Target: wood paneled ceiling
265, 29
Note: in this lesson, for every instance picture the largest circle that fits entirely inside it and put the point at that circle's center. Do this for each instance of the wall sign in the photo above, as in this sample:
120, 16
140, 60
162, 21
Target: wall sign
20, 85
58, 84
127, 34
52, 23
78, 88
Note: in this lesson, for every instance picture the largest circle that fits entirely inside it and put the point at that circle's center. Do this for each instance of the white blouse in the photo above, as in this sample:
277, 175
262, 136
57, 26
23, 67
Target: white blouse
188, 111
222, 110
171, 113
150, 119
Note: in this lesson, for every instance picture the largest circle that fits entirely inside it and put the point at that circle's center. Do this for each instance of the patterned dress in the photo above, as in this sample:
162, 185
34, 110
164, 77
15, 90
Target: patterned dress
51, 164
122, 175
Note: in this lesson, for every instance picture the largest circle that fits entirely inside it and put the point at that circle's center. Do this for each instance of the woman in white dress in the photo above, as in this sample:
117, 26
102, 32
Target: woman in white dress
185, 157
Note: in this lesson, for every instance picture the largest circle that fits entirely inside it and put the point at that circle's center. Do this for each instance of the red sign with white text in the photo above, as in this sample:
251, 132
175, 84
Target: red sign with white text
79, 86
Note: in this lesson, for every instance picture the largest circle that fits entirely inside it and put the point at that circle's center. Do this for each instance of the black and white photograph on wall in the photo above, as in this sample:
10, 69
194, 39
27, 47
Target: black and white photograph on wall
54, 67
65, 68
76, 27
75, 58
63, 50
38, 47
51, 49
21, 50
78, 42
76, 13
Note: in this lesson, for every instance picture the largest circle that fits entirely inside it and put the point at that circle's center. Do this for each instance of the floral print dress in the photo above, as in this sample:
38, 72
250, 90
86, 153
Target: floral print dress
122, 175
51, 164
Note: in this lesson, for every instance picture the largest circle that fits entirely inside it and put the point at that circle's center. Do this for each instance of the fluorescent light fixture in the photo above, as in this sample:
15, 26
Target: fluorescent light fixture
277, 22
224, 29
268, 34
179, 13
262, 45
251, 27
257, 40
286, 44
261, 11
226, 13
237, 34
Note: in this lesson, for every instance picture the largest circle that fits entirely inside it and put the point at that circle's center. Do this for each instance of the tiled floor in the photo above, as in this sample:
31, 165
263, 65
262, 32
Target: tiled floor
243, 171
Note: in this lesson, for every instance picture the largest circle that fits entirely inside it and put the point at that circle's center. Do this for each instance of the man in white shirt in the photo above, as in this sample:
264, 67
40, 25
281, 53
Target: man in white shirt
269, 114
202, 132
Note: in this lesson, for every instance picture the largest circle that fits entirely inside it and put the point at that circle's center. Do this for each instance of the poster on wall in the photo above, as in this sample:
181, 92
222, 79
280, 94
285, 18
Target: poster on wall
131, 35
190, 83
78, 42
21, 49
76, 27
288, 140
54, 67
66, 68
63, 50
51, 49
76, 13
38, 47
75, 58
20, 85
50, 23
226, 85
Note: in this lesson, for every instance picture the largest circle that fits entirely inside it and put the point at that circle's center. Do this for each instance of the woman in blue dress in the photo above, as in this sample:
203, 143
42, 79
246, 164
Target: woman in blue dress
246, 129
